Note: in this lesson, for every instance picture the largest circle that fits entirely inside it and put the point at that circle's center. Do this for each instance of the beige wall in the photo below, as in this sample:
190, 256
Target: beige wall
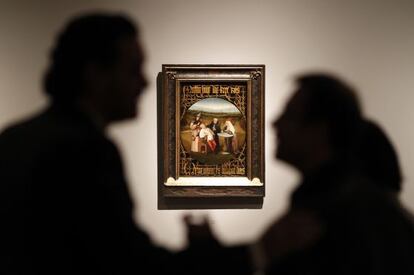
369, 43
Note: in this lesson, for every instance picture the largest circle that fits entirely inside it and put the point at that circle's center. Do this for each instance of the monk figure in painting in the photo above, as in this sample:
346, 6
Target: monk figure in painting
231, 142
195, 133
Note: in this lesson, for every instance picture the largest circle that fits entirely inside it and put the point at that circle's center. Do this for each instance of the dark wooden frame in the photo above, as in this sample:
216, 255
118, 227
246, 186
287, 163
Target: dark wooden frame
168, 136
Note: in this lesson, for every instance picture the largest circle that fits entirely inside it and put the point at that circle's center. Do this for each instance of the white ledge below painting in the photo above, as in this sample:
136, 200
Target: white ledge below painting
213, 181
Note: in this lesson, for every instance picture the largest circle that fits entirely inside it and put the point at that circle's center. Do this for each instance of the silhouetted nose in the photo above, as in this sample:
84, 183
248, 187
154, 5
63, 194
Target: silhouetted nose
275, 123
142, 84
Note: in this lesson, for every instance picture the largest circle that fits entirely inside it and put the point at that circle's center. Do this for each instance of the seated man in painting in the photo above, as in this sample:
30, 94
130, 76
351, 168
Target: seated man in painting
209, 135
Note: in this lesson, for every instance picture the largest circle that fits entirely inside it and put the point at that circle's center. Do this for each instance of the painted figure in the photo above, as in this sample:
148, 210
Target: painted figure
195, 133
231, 142
208, 134
215, 127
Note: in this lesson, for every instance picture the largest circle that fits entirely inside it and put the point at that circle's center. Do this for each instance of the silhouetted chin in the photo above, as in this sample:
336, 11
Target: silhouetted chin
131, 115
282, 156
124, 116
136, 114
131, 112
278, 156
277, 153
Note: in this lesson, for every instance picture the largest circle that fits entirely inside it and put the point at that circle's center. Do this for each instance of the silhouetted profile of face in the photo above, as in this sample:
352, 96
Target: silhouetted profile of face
296, 137
125, 81
97, 64
319, 124
300, 142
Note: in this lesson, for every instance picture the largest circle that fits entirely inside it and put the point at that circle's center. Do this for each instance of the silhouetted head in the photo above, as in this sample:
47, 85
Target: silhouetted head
98, 61
377, 157
319, 122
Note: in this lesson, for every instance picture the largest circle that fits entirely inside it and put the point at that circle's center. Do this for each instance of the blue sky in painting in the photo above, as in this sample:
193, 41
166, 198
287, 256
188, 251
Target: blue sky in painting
214, 105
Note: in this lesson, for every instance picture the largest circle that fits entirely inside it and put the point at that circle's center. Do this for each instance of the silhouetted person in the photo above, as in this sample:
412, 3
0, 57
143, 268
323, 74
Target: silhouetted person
65, 206
377, 157
378, 160
340, 221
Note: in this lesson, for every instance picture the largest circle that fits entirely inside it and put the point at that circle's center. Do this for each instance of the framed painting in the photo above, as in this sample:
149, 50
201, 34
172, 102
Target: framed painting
211, 131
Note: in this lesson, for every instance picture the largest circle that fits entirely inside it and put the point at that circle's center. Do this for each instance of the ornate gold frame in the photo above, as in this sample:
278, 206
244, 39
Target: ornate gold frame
173, 102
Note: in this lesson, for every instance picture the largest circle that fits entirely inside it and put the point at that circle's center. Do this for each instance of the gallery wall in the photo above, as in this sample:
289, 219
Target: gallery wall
368, 43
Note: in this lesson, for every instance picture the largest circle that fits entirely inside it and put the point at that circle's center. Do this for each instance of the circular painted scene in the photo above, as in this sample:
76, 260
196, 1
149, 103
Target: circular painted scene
213, 131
